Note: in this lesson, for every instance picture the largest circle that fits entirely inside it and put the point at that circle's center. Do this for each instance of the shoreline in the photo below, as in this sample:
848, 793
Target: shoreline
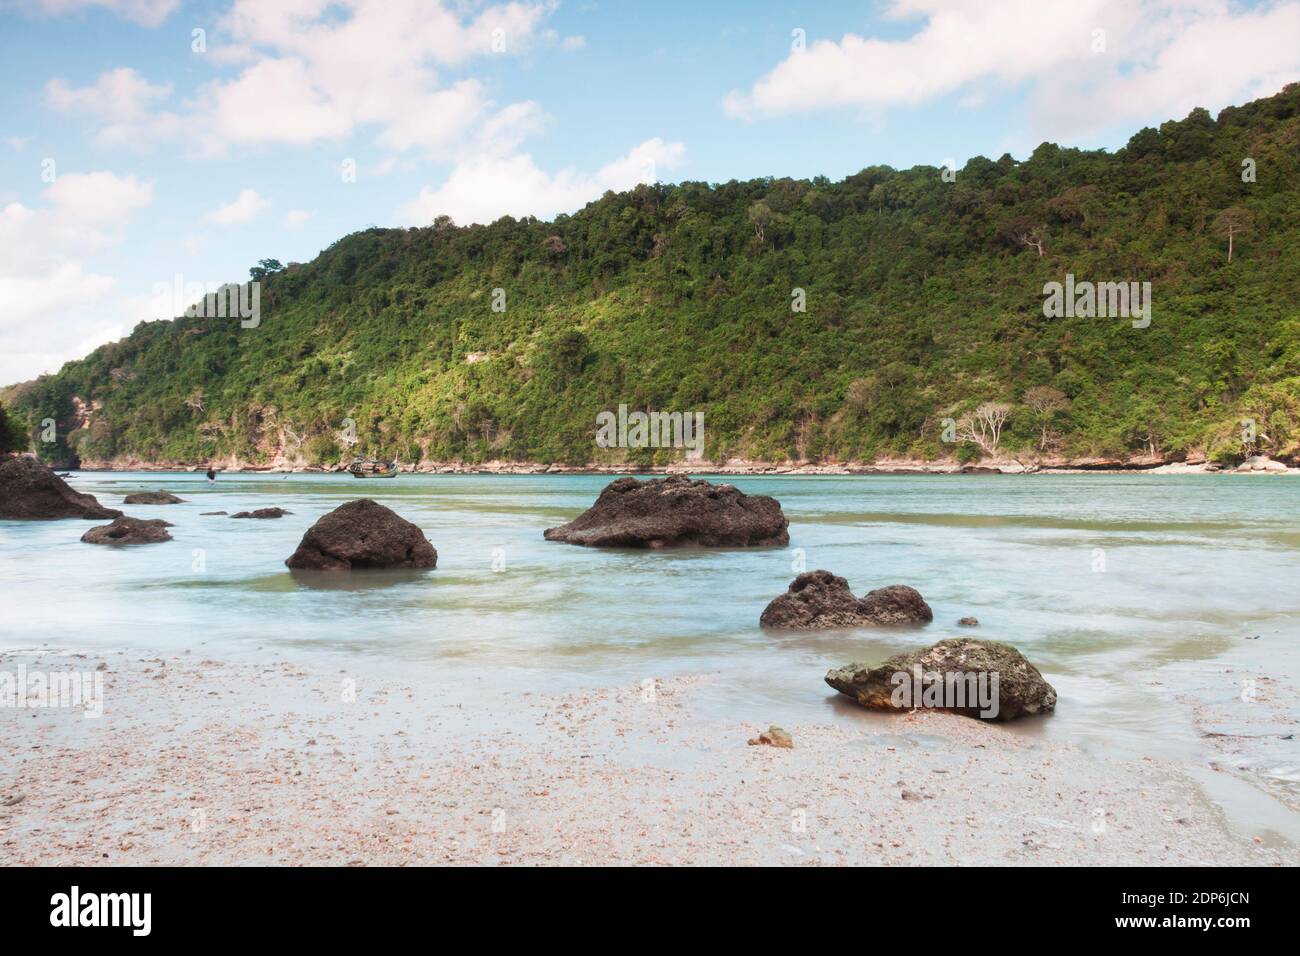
218, 761
736, 467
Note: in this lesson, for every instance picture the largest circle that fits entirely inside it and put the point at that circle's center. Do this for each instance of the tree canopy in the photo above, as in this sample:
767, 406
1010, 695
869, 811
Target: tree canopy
922, 303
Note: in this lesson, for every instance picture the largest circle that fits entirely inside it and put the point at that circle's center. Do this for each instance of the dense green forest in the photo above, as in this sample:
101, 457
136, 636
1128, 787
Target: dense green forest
924, 301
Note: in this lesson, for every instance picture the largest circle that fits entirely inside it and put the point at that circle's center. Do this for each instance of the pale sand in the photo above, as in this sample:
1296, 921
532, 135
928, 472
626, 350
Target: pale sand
207, 762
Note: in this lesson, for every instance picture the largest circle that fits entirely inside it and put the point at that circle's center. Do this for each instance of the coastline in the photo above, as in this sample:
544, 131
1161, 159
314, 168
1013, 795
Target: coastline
221, 761
734, 466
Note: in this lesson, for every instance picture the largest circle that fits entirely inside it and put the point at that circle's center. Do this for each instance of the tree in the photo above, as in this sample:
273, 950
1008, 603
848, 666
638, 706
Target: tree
1231, 222
983, 427
11, 436
760, 214
1045, 401
264, 268
1023, 231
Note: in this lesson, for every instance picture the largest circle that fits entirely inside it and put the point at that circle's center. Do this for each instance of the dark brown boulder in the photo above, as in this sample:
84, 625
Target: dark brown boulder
819, 599
152, 498
675, 511
362, 534
986, 679
128, 530
262, 513
31, 492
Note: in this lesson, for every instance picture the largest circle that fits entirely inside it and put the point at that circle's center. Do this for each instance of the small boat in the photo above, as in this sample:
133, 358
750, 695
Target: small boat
373, 469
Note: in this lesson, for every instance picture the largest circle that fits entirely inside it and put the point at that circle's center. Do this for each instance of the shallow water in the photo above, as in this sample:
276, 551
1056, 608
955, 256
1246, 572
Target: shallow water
1125, 590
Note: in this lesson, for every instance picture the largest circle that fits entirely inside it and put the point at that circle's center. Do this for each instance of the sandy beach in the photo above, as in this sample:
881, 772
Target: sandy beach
207, 761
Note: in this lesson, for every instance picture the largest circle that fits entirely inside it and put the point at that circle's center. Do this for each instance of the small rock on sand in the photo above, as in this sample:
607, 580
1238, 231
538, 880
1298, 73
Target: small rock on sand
774, 736
1020, 688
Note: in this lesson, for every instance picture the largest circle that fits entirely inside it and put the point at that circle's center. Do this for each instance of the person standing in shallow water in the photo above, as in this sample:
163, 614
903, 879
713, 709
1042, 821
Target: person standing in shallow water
212, 474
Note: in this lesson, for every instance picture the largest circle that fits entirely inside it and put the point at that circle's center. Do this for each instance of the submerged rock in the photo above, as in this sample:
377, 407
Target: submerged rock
205, 514
261, 513
774, 736
31, 492
127, 530
969, 622
362, 534
819, 599
986, 679
152, 498
675, 511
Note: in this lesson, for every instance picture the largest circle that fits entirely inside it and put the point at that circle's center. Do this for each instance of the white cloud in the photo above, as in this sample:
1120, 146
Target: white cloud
121, 107
296, 217
51, 303
147, 13
318, 71
1215, 59
275, 101
85, 213
1160, 58
244, 208
17, 143
313, 71
120, 95
959, 43
486, 187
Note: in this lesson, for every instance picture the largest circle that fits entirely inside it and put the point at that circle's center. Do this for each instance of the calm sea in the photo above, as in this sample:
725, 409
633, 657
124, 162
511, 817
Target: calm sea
1138, 596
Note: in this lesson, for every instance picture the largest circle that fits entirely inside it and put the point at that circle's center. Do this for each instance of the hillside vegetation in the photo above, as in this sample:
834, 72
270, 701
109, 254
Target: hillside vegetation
924, 301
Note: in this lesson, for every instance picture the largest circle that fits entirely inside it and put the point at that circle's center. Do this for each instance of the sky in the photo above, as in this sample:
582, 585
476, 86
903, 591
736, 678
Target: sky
146, 143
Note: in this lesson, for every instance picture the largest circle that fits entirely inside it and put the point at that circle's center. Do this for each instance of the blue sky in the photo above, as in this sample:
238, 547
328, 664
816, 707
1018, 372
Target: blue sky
128, 158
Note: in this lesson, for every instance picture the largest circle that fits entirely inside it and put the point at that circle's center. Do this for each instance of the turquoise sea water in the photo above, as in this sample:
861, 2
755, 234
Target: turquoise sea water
1128, 591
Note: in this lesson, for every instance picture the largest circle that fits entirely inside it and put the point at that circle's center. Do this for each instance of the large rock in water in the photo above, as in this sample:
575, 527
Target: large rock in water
128, 530
819, 599
951, 670
673, 511
362, 534
152, 498
31, 492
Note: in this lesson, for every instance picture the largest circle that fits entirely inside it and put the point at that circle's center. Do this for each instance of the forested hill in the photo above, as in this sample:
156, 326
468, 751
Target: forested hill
924, 300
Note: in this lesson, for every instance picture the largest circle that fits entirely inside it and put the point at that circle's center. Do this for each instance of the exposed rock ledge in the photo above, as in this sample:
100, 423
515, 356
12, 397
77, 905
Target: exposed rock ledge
819, 599
31, 492
128, 530
675, 511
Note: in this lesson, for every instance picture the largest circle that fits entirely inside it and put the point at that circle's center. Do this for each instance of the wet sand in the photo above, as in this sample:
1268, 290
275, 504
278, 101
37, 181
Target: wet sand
202, 761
